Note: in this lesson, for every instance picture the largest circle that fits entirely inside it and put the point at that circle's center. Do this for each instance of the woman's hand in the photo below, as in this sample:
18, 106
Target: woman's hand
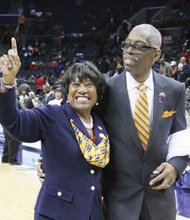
10, 64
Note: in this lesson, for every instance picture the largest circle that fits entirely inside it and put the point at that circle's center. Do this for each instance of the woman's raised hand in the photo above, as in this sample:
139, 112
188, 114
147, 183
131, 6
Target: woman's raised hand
10, 64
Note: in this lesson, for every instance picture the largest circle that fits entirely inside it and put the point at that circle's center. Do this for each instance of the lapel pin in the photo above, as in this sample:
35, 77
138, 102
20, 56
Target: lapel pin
161, 96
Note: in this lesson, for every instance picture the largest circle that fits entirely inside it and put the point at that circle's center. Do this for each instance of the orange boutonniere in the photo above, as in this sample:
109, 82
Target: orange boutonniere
167, 114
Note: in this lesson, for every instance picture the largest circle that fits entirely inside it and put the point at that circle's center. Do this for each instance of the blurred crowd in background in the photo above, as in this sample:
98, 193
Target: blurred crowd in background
53, 34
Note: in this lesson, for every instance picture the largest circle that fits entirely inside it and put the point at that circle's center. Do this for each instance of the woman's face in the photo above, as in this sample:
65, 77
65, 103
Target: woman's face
58, 95
82, 96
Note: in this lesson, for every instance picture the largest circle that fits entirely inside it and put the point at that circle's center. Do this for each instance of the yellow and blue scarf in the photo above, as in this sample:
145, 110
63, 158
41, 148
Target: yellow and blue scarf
97, 155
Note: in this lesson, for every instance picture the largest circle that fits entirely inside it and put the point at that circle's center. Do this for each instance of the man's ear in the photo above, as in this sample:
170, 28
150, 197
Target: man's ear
157, 55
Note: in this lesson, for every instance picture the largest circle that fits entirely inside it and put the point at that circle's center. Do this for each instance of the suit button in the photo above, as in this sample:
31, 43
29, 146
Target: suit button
92, 188
59, 193
92, 171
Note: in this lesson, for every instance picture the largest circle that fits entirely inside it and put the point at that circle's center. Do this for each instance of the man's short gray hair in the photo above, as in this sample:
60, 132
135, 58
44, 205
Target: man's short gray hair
155, 37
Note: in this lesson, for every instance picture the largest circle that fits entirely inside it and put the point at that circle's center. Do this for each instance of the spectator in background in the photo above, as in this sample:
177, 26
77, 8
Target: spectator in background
24, 87
58, 68
21, 10
11, 145
21, 23
34, 66
180, 75
184, 69
34, 98
173, 65
48, 94
39, 84
31, 82
117, 67
28, 104
122, 31
182, 61
10, 149
58, 97
165, 68
22, 97
185, 53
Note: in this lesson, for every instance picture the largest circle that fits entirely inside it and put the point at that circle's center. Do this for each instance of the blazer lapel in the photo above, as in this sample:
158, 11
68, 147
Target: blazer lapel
127, 117
160, 98
72, 115
99, 129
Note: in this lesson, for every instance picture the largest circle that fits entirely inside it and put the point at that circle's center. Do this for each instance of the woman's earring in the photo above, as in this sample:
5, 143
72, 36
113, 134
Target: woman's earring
96, 103
67, 101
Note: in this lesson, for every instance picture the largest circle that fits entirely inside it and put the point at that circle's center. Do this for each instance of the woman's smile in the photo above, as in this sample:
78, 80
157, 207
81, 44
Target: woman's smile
83, 99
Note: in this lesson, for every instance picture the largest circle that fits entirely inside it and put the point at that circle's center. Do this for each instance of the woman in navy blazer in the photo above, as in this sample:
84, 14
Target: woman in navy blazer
75, 145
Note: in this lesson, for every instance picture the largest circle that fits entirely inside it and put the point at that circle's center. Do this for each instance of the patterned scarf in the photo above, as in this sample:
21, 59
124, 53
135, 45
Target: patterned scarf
97, 155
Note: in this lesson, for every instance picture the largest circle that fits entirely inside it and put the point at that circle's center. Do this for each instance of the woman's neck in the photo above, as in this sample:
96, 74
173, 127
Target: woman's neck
85, 117
87, 122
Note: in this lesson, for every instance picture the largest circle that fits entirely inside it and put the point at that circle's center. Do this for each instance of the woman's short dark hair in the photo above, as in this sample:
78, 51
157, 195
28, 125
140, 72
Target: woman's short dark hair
84, 70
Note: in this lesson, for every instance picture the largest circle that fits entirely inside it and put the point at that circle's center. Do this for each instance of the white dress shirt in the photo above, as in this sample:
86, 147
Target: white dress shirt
133, 92
55, 102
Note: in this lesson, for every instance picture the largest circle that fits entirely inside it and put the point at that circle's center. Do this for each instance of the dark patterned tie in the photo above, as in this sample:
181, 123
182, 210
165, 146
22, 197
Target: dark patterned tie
141, 116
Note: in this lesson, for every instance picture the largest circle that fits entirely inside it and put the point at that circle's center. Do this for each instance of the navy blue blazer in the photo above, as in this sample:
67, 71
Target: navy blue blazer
72, 187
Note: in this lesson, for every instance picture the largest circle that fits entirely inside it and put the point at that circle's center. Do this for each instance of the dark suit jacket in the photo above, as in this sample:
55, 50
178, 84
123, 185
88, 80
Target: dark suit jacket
127, 175
48, 98
67, 193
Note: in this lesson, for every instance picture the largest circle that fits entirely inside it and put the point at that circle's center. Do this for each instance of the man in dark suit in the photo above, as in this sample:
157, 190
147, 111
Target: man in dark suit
10, 149
129, 192
48, 94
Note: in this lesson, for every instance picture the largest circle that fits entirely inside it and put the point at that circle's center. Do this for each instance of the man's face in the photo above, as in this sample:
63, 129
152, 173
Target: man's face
138, 54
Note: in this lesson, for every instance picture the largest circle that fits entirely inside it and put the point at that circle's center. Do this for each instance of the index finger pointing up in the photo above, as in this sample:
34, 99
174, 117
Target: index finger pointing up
14, 46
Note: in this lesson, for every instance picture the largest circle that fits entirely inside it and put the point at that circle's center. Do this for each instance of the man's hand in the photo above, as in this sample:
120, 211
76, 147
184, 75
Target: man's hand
168, 175
10, 64
40, 171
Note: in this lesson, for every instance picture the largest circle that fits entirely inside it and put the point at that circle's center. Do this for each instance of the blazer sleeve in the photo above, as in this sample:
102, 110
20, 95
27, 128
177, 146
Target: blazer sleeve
25, 125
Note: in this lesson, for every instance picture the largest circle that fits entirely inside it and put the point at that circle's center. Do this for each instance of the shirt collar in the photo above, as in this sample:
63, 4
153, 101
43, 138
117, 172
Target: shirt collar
132, 83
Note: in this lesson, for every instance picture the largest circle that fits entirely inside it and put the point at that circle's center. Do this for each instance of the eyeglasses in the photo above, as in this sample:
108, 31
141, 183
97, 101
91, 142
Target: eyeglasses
135, 47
